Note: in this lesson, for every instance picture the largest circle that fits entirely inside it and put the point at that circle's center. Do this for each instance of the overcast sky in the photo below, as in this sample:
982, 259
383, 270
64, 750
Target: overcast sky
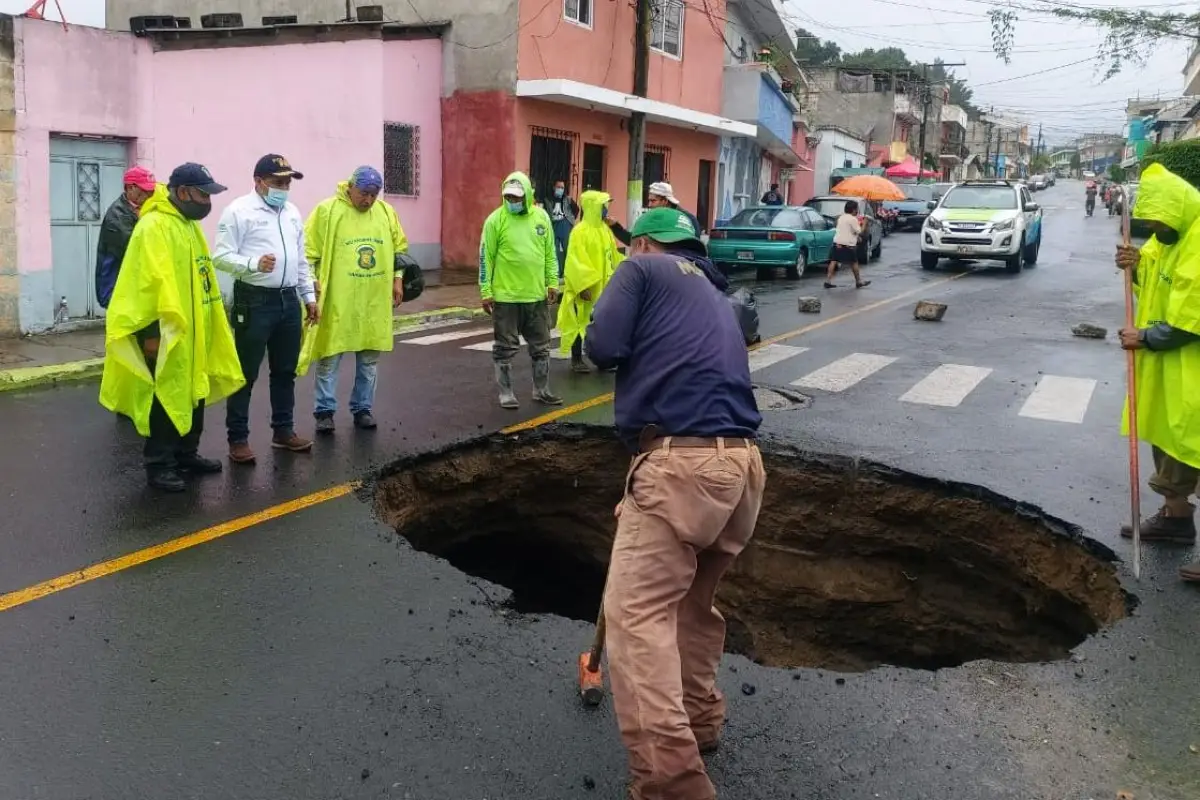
1067, 100
1066, 97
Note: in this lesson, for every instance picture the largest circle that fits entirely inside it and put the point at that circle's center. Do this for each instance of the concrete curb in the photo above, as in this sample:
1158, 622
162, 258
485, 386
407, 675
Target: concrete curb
87, 369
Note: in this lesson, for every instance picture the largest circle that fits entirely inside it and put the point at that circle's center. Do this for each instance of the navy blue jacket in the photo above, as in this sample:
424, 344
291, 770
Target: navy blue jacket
664, 322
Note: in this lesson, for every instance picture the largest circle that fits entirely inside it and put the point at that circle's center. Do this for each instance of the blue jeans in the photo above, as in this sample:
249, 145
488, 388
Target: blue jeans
362, 397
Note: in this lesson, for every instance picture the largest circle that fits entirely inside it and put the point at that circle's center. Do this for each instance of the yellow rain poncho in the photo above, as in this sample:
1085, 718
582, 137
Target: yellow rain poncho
592, 258
167, 277
352, 252
1168, 282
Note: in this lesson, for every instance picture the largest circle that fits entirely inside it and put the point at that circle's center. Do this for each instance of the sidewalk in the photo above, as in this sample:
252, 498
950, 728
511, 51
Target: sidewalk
79, 355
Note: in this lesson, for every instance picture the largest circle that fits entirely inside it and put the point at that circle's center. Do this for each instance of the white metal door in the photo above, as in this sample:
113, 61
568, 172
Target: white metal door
85, 177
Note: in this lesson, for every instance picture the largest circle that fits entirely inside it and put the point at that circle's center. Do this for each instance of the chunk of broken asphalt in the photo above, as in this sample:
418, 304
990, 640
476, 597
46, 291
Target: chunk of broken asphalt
366, 773
929, 311
1089, 331
588, 783
748, 689
810, 305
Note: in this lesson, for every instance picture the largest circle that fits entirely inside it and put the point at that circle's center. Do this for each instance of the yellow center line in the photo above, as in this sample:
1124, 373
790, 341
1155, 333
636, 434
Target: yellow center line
104, 568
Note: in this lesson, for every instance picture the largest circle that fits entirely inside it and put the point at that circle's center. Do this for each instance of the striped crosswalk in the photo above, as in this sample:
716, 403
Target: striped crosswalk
1062, 399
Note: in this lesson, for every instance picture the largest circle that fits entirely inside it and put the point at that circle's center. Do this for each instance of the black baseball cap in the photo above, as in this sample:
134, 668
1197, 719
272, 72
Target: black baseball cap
275, 165
195, 176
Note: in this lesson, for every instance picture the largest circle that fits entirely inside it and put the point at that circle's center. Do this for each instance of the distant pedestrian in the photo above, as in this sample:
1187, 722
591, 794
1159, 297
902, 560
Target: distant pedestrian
117, 227
1166, 341
564, 213
848, 231
260, 241
518, 280
773, 197
685, 406
661, 194
355, 243
591, 258
169, 350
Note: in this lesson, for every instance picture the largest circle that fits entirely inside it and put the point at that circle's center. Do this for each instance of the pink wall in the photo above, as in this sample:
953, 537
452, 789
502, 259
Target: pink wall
82, 80
549, 46
412, 94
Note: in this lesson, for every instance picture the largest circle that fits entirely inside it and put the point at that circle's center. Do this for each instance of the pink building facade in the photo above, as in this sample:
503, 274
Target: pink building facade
159, 101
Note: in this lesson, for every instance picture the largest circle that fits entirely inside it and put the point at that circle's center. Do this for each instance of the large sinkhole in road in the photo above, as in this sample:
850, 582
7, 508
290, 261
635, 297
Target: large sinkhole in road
853, 565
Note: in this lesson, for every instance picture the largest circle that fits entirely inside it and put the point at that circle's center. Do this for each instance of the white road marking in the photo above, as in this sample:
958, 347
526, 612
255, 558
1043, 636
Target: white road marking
844, 373
947, 386
764, 357
488, 344
450, 336
1059, 399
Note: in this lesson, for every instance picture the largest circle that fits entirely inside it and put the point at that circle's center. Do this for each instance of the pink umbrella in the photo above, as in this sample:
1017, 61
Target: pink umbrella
908, 169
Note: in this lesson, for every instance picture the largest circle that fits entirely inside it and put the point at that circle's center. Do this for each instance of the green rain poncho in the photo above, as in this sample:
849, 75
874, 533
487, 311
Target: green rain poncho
1168, 281
167, 277
353, 252
591, 259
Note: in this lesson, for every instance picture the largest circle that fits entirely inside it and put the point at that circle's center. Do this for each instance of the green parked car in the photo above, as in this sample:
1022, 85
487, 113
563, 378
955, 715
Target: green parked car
771, 238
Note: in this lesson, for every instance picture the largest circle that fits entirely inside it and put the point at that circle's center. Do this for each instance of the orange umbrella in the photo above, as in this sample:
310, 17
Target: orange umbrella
872, 187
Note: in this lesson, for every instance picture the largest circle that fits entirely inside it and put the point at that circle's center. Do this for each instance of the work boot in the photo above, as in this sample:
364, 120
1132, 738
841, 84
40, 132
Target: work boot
165, 480
288, 440
1159, 527
364, 420
1190, 572
240, 453
325, 422
197, 465
541, 383
508, 398
579, 366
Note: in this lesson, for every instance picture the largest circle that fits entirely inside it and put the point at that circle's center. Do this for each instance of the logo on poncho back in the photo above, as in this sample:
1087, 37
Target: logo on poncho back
366, 257
540, 229
205, 278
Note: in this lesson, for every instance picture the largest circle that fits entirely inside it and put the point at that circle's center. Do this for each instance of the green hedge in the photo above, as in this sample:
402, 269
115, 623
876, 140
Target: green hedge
1182, 158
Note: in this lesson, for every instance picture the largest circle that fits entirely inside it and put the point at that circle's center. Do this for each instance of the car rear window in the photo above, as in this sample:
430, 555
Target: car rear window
922, 192
980, 197
768, 218
833, 207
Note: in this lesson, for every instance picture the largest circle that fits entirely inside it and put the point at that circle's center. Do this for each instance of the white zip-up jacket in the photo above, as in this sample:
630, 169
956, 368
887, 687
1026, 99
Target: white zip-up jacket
250, 229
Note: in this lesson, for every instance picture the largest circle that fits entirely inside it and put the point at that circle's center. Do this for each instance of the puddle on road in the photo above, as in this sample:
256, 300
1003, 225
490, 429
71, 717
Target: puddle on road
853, 565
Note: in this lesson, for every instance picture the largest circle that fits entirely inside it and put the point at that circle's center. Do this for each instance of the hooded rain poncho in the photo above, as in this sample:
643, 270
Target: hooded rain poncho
1168, 288
591, 259
167, 277
354, 257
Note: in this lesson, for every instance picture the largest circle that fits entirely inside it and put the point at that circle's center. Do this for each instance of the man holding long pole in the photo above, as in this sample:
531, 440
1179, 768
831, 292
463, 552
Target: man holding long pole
1165, 337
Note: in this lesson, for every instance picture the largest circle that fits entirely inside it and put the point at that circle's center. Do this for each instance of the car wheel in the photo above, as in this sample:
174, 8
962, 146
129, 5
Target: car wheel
795, 271
929, 260
1031, 252
1015, 262
878, 251
861, 253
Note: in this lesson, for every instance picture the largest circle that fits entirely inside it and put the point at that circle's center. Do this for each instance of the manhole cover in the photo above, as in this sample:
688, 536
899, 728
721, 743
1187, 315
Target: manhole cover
853, 564
775, 398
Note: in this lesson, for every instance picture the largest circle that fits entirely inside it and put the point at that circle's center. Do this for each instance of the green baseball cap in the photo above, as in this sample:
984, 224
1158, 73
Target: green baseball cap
666, 225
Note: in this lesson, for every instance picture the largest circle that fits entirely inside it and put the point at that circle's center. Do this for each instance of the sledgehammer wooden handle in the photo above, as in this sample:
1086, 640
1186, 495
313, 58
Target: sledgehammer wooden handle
597, 644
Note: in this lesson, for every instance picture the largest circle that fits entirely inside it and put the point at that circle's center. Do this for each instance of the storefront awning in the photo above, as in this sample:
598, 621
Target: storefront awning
598, 98
782, 151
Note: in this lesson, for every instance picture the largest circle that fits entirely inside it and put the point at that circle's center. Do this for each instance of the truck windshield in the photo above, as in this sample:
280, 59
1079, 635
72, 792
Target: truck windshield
980, 197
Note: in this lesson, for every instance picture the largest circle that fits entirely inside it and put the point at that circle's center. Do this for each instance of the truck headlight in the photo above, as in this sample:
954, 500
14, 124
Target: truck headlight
1006, 225
933, 223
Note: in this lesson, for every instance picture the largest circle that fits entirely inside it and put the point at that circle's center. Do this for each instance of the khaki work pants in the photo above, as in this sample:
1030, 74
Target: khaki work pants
1173, 478
688, 511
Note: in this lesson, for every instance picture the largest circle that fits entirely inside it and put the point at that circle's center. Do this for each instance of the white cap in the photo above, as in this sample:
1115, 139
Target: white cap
663, 189
514, 189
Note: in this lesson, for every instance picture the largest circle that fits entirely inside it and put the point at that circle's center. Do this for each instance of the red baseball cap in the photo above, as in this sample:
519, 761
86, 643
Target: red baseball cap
140, 177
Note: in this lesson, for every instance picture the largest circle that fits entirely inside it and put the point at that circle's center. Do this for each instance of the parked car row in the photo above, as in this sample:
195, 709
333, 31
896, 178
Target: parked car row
1038, 182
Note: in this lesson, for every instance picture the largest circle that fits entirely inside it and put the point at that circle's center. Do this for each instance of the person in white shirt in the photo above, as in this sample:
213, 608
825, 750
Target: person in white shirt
845, 246
260, 241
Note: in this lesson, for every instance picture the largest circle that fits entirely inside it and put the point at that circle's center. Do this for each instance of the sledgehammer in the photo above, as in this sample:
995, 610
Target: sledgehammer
591, 677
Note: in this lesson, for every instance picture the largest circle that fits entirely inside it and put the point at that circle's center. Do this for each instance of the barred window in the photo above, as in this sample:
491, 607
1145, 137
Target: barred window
401, 163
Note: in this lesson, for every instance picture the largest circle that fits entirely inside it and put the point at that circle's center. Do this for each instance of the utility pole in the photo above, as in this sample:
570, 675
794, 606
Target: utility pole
987, 147
1040, 147
926, 102
643, 17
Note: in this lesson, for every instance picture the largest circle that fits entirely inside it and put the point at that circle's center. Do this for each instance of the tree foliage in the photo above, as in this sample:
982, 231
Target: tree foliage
812, 52
1182, 158
960, 93
884, 58
1116, 173
1076, 162
1131, 34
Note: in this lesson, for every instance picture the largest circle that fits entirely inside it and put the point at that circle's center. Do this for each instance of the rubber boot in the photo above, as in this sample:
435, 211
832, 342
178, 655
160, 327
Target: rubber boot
541, 383
508, 398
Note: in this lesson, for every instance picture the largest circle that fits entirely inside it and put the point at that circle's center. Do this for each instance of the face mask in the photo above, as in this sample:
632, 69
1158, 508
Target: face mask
604, 213
191, 209
275, 198
559, 193
1167, 237
515, 207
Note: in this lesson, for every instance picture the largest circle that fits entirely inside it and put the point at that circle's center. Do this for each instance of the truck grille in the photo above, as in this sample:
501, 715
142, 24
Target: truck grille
965, 240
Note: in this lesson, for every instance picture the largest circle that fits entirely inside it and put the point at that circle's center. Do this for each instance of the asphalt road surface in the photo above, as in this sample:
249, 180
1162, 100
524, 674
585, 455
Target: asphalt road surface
291, 648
